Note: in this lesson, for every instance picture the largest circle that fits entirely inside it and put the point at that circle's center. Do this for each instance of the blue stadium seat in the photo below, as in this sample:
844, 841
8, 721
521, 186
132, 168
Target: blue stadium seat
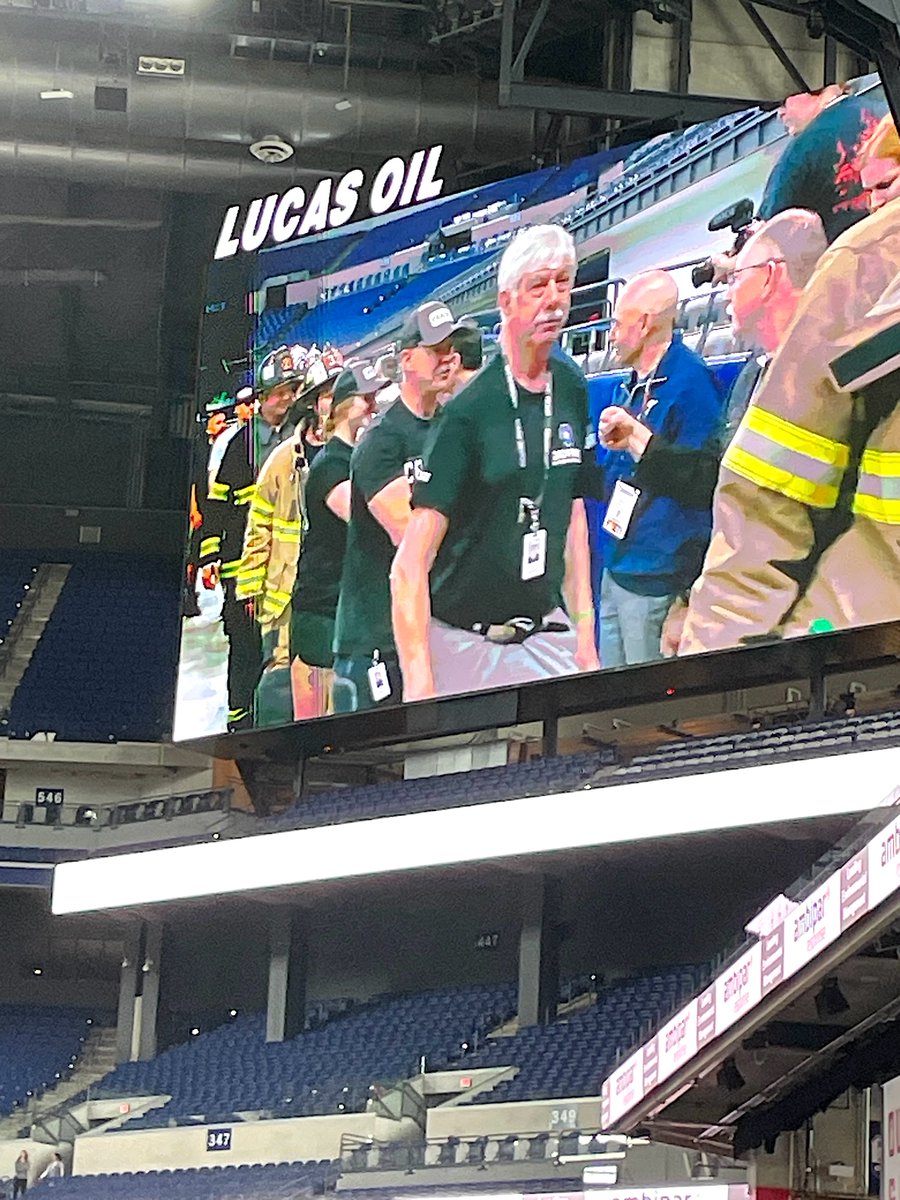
39, 1046
91, 677
328, 1069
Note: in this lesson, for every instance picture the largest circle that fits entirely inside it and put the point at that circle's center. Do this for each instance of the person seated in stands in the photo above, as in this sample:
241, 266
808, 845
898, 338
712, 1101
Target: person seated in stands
55, 1169
21, 1171
765, 284
654, 543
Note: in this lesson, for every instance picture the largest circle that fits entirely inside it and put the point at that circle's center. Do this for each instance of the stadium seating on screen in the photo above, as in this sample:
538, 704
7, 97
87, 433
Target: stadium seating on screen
415, 227
38, 1046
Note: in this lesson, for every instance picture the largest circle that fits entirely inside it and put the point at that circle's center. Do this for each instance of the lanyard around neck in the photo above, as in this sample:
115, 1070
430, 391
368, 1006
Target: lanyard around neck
521, 447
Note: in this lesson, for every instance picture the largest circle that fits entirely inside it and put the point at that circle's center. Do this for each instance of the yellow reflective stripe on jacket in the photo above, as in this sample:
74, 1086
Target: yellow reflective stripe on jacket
878, 487
286, 531
245, 494
776, 454
275, 602
229, 570
260, 507
218, 491
249, 584
210, 546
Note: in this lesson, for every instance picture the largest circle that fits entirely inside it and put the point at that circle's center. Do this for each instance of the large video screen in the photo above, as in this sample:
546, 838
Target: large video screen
638, 406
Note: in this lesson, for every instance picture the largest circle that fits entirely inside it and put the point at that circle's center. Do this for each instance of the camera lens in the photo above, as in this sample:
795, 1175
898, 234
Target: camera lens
703, 274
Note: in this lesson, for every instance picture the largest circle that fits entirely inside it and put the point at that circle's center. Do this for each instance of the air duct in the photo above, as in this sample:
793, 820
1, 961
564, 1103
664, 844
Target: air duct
194, 134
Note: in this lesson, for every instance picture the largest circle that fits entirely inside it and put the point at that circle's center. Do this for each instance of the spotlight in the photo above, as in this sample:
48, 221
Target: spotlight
830, 1001
729, 1077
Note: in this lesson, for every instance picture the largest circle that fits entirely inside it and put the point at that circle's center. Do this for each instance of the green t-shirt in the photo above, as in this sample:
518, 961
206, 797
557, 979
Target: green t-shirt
325, 539
472, 475
391, 448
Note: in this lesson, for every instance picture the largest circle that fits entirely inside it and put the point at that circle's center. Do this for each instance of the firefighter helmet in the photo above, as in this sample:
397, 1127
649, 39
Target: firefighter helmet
287, 364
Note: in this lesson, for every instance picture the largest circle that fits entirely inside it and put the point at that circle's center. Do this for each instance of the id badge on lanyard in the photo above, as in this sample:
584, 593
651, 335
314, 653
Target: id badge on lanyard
534, 538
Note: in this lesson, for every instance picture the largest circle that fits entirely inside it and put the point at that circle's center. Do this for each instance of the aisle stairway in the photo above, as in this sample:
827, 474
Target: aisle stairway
97, 1060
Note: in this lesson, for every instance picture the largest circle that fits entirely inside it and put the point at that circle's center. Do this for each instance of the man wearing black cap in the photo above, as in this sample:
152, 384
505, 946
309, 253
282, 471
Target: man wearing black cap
327, 506
499, 496
382, 470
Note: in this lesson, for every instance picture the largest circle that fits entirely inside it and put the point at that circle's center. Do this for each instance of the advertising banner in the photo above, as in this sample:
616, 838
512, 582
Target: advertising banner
865, 880
813, 925
677, 1041
739, 988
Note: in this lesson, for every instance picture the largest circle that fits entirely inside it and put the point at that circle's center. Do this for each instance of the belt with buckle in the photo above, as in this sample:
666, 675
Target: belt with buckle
517, 630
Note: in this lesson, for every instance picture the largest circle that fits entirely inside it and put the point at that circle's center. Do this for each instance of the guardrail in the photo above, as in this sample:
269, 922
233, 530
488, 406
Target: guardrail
126, 812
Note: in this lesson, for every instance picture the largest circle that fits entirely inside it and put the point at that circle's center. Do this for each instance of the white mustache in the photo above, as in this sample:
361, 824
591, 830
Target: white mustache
556, 315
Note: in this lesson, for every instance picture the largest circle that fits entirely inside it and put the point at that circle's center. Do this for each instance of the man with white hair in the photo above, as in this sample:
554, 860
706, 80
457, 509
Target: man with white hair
498, 522
654, 541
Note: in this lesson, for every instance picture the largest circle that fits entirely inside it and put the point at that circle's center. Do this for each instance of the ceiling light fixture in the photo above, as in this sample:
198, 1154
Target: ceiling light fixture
57, 94
343, 104
272, 149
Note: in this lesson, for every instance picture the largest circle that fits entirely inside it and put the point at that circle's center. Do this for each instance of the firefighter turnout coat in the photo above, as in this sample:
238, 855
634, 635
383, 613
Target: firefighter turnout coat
804, 448
271, 547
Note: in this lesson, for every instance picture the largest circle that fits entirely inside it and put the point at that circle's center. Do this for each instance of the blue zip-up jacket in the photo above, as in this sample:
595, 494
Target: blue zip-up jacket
663, 550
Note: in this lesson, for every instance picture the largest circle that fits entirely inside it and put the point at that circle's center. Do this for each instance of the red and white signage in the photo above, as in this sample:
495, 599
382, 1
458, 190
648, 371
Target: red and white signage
772, 959
706, 1016
679, 1191
854, 888
626, 1086
677, 1041
808, 927
884, 863
738, 989
813, 925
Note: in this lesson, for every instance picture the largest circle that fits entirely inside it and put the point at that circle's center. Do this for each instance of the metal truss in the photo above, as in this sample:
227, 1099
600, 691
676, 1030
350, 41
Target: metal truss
517, 91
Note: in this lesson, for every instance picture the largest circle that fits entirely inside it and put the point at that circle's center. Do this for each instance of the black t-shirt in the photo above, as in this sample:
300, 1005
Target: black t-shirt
391, 448
472, 475
322, 552
817, 169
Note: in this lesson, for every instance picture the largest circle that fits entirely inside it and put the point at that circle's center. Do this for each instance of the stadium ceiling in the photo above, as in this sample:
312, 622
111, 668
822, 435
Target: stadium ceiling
504, 84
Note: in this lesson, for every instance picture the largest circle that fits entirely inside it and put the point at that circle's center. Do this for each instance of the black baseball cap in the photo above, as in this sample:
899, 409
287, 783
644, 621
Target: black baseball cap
427, 325
358, 379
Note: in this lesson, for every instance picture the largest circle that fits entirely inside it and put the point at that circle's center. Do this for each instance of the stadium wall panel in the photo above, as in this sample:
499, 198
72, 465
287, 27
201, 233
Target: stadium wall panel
306, 1138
